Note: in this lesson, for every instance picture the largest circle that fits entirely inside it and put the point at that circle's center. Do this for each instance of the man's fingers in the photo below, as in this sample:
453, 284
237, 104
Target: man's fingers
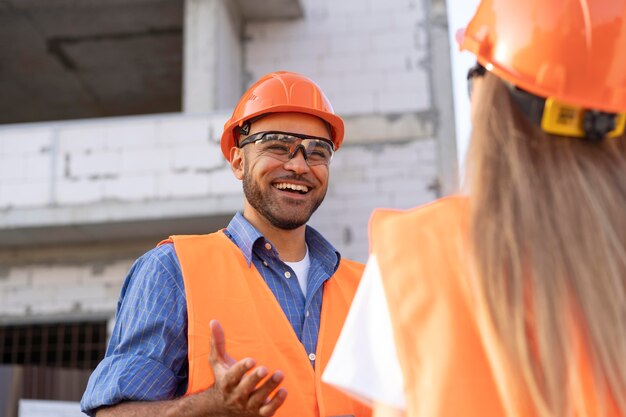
251, 380
218, 342
269, 408
231, 378
260, 395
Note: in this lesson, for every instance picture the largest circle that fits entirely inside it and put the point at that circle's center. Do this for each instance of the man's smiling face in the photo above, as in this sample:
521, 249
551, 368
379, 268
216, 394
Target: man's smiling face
284, 193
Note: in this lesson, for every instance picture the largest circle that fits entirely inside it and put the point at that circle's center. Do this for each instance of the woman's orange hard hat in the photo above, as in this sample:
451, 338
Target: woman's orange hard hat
571, 50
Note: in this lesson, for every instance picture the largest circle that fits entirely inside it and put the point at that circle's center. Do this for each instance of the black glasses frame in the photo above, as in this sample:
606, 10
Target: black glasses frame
259, 136
254, 138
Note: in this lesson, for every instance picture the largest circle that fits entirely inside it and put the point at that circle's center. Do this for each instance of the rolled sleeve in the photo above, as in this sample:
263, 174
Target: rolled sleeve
146, 359
128, 378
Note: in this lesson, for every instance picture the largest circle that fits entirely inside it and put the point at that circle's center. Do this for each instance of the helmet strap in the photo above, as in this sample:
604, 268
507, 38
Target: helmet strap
591, 125
531, 105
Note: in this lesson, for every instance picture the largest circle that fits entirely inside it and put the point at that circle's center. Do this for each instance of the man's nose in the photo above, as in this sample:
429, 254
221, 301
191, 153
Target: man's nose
297, 161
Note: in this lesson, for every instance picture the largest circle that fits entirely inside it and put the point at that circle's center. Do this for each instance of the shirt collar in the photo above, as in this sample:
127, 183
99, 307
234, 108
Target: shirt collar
245, 236
322, 250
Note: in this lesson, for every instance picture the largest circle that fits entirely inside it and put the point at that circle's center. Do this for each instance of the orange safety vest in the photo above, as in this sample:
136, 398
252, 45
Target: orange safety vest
220, 285
444, 360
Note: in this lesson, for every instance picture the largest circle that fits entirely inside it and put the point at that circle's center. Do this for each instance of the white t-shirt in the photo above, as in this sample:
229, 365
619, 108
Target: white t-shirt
364, 362
301, 269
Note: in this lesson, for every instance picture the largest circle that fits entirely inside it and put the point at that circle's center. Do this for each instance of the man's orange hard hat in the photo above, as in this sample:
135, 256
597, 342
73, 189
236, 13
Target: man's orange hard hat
571, 50
281, 92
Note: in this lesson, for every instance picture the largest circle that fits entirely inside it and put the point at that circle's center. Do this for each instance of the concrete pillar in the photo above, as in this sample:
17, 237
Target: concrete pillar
441, 72
212, 71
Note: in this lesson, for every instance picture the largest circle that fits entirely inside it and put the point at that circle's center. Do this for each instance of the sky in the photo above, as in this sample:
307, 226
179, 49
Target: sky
459, 13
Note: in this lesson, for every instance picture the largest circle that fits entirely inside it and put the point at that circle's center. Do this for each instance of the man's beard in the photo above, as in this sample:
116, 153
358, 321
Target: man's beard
269, 208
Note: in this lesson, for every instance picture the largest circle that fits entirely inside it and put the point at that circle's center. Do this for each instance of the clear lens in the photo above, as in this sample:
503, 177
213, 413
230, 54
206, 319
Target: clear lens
284, 147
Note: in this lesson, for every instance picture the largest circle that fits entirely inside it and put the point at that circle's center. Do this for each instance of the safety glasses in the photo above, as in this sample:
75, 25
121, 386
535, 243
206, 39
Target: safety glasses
284, 145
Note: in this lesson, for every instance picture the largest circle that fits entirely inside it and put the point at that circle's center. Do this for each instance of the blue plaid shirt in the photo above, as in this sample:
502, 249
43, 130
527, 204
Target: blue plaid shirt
146, 359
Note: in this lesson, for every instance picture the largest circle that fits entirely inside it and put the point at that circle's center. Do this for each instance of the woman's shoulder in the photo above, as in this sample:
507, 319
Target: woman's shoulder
443, 213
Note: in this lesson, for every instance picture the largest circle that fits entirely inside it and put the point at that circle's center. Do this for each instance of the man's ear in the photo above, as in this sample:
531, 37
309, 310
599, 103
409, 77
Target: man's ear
237, 161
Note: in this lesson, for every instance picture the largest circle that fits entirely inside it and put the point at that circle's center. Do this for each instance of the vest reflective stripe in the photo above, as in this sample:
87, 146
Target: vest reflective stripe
446, 370
220, 285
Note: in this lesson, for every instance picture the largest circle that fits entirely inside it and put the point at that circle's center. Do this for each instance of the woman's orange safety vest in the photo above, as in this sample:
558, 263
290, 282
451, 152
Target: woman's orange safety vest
444, 360
220, 285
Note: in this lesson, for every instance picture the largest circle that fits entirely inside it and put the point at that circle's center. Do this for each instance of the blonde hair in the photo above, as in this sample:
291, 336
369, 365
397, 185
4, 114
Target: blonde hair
548, 233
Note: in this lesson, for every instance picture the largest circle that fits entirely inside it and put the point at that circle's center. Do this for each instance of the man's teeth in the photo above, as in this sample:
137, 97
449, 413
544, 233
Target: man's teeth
294, 187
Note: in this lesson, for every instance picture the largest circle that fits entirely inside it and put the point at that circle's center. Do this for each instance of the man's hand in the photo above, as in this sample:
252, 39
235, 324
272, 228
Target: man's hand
237, 387
238, 391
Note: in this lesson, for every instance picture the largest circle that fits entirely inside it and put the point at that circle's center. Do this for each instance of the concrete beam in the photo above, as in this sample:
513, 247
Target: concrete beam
115, 220
251, 10
52, 4
387, 128
255, 10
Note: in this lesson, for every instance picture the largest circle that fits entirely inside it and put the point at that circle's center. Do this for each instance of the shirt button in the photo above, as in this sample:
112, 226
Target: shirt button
306, 314
265, 263
268, 246
287, 274
312, 356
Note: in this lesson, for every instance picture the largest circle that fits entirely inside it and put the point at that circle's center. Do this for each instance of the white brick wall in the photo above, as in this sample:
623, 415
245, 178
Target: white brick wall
366, 177
27, 141
61, 289
365, 54
126, 159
